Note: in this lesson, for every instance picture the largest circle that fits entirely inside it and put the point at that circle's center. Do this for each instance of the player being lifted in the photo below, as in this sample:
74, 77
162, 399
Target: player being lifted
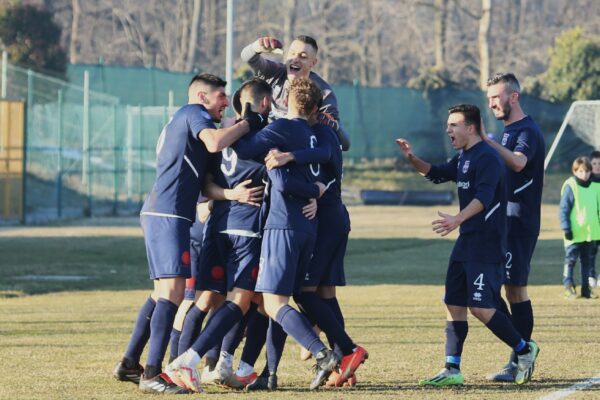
166, 217
475, 272
522, 149
301, 57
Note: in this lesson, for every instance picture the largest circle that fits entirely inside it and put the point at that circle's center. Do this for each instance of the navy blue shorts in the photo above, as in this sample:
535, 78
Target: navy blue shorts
167, 246
242, 256
519, 251
470, 284
327, 264
211, 274
284, 259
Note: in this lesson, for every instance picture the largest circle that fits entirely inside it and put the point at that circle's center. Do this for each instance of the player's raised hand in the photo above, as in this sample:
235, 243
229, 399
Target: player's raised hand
276, 158
406, 148
446, 224
310, 210
268, 44
244, 194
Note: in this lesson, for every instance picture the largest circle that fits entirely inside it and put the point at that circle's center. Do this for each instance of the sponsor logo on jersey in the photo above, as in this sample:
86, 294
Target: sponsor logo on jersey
505, 138
466, 166
463, 184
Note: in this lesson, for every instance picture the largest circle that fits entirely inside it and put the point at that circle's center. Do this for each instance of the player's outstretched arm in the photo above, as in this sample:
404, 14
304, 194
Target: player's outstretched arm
516, 161
216, 140
421, 166
447, 223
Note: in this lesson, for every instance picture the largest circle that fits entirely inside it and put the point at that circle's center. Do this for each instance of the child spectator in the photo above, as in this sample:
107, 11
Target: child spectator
580, 223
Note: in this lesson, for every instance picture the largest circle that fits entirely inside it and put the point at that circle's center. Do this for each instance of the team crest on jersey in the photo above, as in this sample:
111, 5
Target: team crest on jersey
466, 166
505, 138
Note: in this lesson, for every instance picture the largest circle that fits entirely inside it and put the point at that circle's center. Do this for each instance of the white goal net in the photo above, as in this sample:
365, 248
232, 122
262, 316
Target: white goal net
583, 119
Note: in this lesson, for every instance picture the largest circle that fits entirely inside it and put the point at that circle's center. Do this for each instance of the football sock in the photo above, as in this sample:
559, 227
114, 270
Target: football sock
295, 325
335, 307
192, 325
174, 344
456, 334
504, 307
220, 323
161, 325
276, 337
502, 327
326, 319
255, 338
141, 332
522, 317
232, 339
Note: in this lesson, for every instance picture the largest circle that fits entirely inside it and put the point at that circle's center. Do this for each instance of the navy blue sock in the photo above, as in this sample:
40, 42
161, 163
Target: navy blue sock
295, 325
220, 323
456, 334
504, 307
275, 343
522, 317
192, 325
502, 327
232, 339
326, 320
141, 332
161, 325
335, 307
255, 338
174, 344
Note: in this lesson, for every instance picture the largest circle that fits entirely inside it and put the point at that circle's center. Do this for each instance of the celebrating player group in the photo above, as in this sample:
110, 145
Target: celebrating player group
243, 216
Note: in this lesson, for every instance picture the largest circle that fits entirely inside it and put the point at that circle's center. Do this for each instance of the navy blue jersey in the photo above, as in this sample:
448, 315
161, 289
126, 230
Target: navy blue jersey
180, 165
292, 185
229, 171
479, 174
328, 154
525, 188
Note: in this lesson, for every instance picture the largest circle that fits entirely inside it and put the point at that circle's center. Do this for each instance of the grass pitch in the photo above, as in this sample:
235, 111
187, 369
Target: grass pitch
61, 335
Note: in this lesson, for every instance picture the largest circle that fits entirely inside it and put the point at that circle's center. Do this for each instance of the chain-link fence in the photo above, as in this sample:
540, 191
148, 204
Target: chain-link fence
93, 153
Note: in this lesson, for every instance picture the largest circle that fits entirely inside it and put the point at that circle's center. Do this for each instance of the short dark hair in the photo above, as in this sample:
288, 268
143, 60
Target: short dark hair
308, 40
579, 161
470, 112
595, 154
508, 78
306, 93
258, 89
209, 80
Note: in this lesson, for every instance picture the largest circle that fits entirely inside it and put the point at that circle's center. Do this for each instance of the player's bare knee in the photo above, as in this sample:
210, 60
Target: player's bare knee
516, 294
326, 292
482, 314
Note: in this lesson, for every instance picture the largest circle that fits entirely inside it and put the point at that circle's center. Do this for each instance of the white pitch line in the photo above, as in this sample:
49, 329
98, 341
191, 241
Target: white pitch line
562, 393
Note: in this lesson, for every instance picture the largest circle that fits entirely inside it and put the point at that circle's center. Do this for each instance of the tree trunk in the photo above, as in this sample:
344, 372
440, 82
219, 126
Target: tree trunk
483, 39
289, 22
439, 32
73, 51
194, 28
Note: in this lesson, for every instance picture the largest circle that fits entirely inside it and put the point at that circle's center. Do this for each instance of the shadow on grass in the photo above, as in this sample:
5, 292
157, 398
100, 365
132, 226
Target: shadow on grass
34, 265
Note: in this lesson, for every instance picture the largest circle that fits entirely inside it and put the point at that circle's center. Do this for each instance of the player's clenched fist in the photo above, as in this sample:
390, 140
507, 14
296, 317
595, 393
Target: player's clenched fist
268, 44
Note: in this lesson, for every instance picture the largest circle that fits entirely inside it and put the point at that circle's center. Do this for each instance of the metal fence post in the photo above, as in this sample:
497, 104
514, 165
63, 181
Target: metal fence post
4, 73
140, 164
85, 170
60, 155
115, 162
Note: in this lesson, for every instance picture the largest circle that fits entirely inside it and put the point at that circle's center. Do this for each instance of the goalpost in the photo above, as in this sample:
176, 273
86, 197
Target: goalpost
583, 118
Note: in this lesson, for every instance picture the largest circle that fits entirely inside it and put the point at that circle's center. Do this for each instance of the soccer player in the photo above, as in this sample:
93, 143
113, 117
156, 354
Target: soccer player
522, 148
299, 61
232, 247
166, 217
475, 272
326, 270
